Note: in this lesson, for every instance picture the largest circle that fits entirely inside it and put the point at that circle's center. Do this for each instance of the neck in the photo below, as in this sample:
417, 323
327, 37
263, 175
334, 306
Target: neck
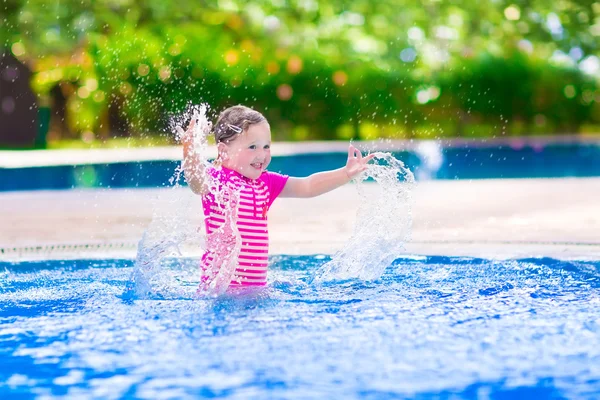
233, 171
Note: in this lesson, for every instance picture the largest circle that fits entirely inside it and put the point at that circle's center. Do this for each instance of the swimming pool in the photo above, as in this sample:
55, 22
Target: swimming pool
428, 161
429, 327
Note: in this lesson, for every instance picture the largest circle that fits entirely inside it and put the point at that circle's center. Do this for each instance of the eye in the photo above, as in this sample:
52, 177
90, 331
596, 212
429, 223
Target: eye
252, 147
267, 147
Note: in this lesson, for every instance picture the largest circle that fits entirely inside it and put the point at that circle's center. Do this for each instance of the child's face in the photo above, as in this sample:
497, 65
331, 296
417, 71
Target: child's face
250, 152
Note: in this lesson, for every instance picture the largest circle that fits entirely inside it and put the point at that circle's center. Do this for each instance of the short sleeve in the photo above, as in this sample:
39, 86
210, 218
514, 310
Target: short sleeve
275, 182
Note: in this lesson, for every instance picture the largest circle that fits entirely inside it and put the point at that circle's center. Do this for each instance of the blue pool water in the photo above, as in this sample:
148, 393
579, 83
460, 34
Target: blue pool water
430, 327
551, 161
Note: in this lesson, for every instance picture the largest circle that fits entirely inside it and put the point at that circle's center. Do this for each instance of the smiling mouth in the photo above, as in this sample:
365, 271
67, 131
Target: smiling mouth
257, 165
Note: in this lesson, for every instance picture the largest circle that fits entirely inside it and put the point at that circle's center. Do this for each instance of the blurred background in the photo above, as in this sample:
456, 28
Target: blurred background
111, 73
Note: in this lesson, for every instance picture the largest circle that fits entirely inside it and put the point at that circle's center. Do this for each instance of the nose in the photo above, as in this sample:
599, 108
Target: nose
262, 155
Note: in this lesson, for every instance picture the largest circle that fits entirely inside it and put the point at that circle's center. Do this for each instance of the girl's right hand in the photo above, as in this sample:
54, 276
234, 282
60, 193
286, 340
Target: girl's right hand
189, 132
187, 135
192, 131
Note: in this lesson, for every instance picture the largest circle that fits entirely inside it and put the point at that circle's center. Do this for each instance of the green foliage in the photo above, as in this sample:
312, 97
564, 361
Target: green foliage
317, 69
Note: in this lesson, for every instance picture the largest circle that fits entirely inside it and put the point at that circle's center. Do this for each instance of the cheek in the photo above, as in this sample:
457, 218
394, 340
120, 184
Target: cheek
242, 156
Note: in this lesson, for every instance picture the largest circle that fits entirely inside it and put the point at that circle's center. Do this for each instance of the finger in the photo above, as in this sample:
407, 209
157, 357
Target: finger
207, 128
351, 151
196, 115
181, 134
358, 155
192, 123
369, 158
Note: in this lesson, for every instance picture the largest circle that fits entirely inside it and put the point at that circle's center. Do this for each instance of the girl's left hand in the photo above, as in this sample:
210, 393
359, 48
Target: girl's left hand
356, 162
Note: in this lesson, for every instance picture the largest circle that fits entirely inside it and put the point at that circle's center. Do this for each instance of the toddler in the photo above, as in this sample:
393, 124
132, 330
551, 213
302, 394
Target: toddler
237, 192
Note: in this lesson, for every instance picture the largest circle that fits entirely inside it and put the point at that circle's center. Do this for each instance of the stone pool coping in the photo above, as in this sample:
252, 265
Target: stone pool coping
501, 218
40, 158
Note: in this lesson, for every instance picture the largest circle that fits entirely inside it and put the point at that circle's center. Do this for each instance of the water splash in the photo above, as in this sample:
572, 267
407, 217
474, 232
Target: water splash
383, 223
225, 244
170, 252
172, 235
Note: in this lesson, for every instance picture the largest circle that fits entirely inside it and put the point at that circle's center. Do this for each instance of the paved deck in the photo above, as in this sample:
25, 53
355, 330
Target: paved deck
557, 218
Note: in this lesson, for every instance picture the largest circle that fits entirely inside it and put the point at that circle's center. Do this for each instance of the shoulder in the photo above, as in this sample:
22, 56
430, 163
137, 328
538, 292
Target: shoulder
275, 183
271, 178
219, 175
217, 178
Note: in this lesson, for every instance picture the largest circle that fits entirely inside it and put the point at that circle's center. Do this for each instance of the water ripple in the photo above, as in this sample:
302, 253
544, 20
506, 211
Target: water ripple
428, 327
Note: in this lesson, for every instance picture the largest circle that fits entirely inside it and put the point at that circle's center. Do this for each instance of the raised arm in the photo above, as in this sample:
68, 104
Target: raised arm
323, 182
193, 159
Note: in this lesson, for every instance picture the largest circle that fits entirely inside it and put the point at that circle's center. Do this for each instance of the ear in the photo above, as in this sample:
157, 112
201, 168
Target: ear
222, 149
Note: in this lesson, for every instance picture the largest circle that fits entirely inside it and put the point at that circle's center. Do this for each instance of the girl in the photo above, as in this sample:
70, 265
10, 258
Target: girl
237, 192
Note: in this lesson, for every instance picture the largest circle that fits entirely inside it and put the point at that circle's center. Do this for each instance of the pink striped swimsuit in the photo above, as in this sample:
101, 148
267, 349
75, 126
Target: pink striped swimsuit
255, 198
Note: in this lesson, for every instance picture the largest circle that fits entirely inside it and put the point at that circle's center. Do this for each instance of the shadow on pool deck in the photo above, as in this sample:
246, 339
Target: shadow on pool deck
557, 218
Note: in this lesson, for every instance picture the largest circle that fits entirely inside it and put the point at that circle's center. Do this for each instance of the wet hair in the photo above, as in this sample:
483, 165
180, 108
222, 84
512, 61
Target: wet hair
235, 120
